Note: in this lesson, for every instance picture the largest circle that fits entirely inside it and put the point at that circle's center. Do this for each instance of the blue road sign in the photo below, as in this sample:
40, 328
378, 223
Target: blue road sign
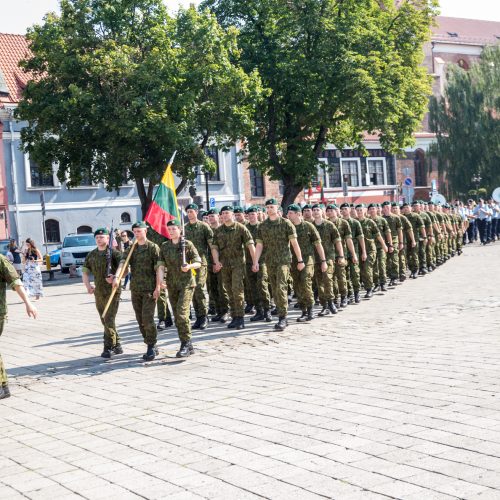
408, 181
212, 202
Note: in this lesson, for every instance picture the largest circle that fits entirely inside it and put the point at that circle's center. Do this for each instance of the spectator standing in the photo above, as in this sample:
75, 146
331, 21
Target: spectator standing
32, 277
16, 256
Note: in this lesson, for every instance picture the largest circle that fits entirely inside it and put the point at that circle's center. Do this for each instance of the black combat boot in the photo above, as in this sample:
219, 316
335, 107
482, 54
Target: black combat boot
158, 326
268, 316
331, 307
376, 288
357, 299
402, 277
240, 323
203, 323
4, 391
296, 305
224, 318
211, 311
343, 302
184, 350
310, 313
413, 275
197, 323
157, 350
350, 299
150, 353
249, 309
383, 288
324, 311
302, 318
422, 271
369, 293
106, 353
118, 349
217, 317
259, 315
168, 322
281, 324
274, 312
233, 323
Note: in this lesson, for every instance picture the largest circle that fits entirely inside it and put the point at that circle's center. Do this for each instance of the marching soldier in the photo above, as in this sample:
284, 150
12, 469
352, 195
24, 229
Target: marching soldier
334, 256
257, 282
180, 281
307, 212
143, 262
420, 237
408, 240
429, 231
228, 252
309, 241
396, 228
9, 276
274, 237
200, 234
96, 263
380, 268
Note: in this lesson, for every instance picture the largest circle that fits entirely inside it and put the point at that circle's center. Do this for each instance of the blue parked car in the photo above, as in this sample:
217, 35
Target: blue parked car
55, 257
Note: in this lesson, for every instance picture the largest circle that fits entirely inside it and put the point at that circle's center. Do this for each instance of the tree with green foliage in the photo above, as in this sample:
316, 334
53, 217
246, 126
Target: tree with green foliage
331, 70
467, 125
118, 85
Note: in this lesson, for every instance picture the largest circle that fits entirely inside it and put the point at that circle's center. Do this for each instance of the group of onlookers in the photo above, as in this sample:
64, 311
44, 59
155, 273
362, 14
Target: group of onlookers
483, 218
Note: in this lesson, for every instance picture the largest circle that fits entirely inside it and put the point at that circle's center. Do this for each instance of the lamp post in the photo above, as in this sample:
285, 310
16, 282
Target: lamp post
476, 179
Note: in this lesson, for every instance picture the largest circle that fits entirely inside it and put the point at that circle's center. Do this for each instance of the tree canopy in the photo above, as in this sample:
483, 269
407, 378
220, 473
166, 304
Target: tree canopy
466, 122
332, 70
118, 85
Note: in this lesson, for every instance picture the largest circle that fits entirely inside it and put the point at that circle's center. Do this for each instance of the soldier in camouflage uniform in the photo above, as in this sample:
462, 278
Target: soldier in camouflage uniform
217, 294
9, 276
420, 238
180, 281
340, 275
396, 228
408, 240
228, 252
258, 282
143, 262
307, 212
334, 256
353, 256
96, 264
274, 237
309, 241
380, 267
429, 231
371, 233
239, 216
200, 234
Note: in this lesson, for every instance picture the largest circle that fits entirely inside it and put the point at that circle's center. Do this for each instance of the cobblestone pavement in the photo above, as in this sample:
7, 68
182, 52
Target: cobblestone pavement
395, 398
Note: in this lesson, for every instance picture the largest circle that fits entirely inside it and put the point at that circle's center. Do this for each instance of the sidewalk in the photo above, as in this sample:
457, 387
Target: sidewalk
397, 397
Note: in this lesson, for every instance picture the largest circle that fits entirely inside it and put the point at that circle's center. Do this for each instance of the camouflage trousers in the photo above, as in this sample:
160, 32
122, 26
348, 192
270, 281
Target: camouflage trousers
111, 337
380, 268
217, 294
368, 264
144, 306
302, 285
199, 297
402, 262
3, 373
233, 277
412, 257
324, 282
162, 306
393, 262
429, 253
278, 279
258, 285
340, 281
353, 277
422, 259
180, 299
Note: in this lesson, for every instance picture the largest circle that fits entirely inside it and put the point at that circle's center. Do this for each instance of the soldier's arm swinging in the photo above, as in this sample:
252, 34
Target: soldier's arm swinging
86, 282
350, 247
160, 275
382, 242
253, 254
215, 258
362, 245
400, 238
258, 253
298, 253
321, 254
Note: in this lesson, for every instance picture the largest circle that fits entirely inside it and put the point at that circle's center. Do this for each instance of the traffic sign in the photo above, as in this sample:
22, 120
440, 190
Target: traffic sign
408, 181
212, 202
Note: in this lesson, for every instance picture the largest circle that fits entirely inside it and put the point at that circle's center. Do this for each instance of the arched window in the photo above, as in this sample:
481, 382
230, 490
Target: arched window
83, 230
125, 217
52, 232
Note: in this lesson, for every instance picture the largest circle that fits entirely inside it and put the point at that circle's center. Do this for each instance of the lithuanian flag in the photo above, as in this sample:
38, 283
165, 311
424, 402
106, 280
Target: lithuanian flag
164, 205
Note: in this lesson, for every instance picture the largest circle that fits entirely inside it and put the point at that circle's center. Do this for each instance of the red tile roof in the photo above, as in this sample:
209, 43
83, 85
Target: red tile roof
471, 31
13, 48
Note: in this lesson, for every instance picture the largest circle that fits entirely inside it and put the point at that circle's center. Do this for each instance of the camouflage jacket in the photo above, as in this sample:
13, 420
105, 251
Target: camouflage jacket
8, 276
143, 265
253, 229
275, 238
416, 223
307, 237
171, 258
370, 229
95, 263
395, 225
383, 227
231, 242
329, 236
356, 232
201, 235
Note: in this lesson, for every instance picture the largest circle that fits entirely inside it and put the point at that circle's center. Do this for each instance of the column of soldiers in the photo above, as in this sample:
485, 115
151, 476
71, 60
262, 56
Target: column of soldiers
254, 262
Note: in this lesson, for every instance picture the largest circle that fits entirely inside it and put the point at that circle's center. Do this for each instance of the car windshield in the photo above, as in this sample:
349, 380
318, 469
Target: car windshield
85, 240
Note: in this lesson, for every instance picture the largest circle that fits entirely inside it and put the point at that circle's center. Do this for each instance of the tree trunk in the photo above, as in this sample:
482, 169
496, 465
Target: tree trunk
290, 193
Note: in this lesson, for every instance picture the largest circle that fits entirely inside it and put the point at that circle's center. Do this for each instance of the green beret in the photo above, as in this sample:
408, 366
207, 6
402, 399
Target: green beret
361, 205
251, 210
307, 205
316, 205
344, 205
352, 205
238, 210
280, 208
213, 211
386, 204
101, 230
192, 206
139, 225
416, 202
271, 201
173, 222
293, 208
227, 208
405, 205
372, 205
430, 203
202, 213
394, 204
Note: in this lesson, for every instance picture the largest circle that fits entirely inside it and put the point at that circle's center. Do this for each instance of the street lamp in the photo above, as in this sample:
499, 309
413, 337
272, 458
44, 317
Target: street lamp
476, 179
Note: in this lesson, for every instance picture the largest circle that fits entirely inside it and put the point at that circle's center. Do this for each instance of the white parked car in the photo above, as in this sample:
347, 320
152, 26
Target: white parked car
74, 249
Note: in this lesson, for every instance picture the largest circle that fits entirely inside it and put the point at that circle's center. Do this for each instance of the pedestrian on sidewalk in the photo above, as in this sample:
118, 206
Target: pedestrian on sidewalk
16, 257
32, 277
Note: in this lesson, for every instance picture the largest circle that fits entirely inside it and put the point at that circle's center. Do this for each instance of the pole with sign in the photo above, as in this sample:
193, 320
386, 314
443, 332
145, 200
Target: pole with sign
47, 256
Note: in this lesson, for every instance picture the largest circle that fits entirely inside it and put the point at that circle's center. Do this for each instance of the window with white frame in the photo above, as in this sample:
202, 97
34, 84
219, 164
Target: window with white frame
36, 177
351, 172
376, 171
